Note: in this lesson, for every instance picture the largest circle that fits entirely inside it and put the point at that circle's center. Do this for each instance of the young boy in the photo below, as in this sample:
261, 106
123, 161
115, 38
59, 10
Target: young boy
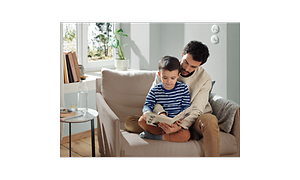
172, 95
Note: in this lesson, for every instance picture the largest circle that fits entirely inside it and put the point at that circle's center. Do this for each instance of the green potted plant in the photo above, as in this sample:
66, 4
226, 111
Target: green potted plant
121, 63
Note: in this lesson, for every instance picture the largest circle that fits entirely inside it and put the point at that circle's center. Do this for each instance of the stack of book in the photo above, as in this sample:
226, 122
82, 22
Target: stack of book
71, 68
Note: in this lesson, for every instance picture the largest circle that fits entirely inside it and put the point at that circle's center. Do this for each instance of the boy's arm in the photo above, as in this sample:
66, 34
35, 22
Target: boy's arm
157, 107
149, 102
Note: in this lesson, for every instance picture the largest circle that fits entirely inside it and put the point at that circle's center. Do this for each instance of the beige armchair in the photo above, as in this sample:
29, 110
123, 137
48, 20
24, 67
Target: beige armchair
122, 93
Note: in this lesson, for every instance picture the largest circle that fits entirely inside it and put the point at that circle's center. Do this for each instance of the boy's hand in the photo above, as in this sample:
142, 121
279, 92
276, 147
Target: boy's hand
144, 115
169, 129
178, 122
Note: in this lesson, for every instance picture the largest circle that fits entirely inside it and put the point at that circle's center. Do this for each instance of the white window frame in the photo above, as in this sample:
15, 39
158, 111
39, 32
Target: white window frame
82, 43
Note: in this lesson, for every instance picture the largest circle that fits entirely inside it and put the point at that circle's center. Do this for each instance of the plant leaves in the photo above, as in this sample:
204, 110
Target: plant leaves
123, 34
113, 41
119, 31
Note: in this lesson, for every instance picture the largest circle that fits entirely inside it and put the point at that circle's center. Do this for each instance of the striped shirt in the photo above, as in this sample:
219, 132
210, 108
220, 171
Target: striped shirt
173, 101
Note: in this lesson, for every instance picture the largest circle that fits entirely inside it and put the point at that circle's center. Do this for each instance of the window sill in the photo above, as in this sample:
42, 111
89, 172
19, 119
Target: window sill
91, 77
90, 82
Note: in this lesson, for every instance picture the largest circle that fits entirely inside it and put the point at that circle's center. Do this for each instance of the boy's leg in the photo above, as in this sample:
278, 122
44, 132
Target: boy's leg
132, 125
180, 136
152, 129
148, 135
207, 125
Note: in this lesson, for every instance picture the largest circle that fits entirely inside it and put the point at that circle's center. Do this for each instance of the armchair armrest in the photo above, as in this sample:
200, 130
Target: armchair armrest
236, 127
108, 129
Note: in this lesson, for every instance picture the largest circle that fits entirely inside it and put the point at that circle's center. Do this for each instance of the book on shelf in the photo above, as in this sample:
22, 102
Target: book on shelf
66, 78
71, 67
68, 67
78, 73
153, 119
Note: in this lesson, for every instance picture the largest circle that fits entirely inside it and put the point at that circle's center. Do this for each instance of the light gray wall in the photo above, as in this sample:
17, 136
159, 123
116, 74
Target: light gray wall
172, 39
148, 42
233, 62
216, 63
155, 45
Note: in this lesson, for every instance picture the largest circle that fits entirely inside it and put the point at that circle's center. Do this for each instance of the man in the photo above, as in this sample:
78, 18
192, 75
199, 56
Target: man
198, 81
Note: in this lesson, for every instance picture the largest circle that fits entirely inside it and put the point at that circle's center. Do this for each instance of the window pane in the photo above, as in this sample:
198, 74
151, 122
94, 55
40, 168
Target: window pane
98, 38
69, 35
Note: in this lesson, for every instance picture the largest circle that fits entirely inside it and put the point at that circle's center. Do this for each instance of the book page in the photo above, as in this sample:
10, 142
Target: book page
153, 119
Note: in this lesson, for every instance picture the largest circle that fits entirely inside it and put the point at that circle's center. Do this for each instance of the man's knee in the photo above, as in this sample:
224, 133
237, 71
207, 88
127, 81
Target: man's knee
207, 121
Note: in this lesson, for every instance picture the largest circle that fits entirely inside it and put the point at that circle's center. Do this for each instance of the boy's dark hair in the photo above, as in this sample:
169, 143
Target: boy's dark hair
197, 50
169, 63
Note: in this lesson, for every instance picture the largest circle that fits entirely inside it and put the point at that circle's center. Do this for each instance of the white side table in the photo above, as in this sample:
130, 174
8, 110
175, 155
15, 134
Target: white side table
90, 116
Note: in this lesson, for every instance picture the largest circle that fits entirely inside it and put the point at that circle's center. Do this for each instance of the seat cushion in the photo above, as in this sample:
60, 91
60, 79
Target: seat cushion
228, 144
134, 146
125, 91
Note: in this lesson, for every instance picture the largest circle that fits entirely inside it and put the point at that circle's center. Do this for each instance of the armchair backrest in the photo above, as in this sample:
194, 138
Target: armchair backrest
125, 91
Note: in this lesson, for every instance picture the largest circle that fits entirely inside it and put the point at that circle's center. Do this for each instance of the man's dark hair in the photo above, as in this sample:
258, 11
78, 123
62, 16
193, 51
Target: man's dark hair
197, 50
169, 63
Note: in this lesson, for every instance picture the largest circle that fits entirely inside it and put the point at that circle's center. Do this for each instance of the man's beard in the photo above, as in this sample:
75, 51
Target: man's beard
184, 75
188, 73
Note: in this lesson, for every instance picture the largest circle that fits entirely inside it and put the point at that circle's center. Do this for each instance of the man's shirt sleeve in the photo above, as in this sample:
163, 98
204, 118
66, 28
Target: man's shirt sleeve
185, 99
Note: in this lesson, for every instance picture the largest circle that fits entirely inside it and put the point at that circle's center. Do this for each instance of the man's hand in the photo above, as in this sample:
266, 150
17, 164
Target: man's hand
170, 129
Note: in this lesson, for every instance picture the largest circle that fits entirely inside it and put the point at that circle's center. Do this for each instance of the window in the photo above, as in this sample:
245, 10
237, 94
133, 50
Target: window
98, 38
69, 37
89, 41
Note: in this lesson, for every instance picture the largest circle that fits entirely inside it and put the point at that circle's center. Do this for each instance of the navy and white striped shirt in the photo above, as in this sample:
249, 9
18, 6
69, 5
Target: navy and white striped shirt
173, 101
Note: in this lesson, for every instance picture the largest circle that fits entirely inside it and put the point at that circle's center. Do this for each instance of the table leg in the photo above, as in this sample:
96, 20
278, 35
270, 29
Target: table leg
93, 138
70, 139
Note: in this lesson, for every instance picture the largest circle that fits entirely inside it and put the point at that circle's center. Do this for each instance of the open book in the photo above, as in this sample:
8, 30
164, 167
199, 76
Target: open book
153, 119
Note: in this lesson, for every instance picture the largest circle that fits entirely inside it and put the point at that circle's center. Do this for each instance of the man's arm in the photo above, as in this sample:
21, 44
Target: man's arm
198, 104
185, 99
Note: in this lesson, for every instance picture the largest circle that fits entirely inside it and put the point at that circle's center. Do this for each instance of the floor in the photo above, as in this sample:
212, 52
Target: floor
80, 147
